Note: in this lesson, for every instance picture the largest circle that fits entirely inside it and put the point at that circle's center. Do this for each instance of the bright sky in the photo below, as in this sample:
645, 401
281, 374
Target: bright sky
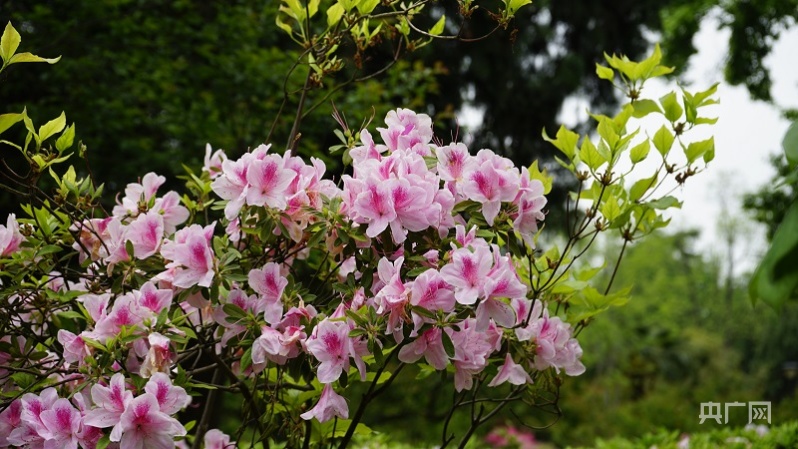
747, 132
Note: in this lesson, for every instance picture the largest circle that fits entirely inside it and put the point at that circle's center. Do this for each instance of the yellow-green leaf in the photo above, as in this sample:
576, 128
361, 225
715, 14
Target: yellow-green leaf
8, 120
9, 42
663, 140
640, 151
642, 186
29, 57
644, 107
590, 155
605, 73
334, 14
437, 29
673, 111
543, 177
52, 127
66, 139
610, 209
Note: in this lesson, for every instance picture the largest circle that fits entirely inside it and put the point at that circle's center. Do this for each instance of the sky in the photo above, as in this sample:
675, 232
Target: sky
746, 134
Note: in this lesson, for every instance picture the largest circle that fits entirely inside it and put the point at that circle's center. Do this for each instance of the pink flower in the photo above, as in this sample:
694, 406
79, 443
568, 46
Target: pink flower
530, 203
471, 351
555, 346
125, 312
216, 439
62, 422
329, 343
144, 426
491, 185
145, 234
511, 372
454, 161
431, 291
467, 273
430, 346
213, 162
172, 212
171, 398
137, 195
159, 357
268, 281
10, 420
75, 349
10, 237
191, 256
31, 426
110, 402
375, 205
152, 298
268, 181
406, 129
330, 404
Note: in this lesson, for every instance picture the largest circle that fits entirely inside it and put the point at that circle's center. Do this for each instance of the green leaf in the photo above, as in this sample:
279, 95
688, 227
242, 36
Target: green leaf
565, 141
9, 42
605, 73
666, 202
367, 6
776, 278
642, 186
590, 155
610, 209
52, 127
640, 152
663, 140
29, 57
439, 26
448, 345
698, 149
66, 139
789, 144
644, 107
544, 177
670, 105
103, 442
8, 120
334, 14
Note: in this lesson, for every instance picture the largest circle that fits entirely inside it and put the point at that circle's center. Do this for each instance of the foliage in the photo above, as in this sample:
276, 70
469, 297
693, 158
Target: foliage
776, 279
753, 437
269, 281
754, 26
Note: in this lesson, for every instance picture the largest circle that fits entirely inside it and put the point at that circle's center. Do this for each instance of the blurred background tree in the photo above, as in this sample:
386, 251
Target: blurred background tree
150, 82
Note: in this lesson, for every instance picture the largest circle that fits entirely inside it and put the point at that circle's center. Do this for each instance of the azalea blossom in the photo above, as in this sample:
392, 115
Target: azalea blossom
511, 372
330, 405
191, 256
329, 343
144, 426
10, 237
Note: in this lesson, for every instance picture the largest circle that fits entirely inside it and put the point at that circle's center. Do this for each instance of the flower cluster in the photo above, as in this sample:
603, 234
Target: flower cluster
416, 238
142, 420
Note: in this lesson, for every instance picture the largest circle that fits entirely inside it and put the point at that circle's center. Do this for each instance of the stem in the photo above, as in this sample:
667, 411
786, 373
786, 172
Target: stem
617, 264
369, 396
292, 137
202, 427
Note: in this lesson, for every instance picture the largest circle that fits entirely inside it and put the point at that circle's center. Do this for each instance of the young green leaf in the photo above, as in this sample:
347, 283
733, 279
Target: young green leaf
9, 42
605, 73
52, 127
663, 140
